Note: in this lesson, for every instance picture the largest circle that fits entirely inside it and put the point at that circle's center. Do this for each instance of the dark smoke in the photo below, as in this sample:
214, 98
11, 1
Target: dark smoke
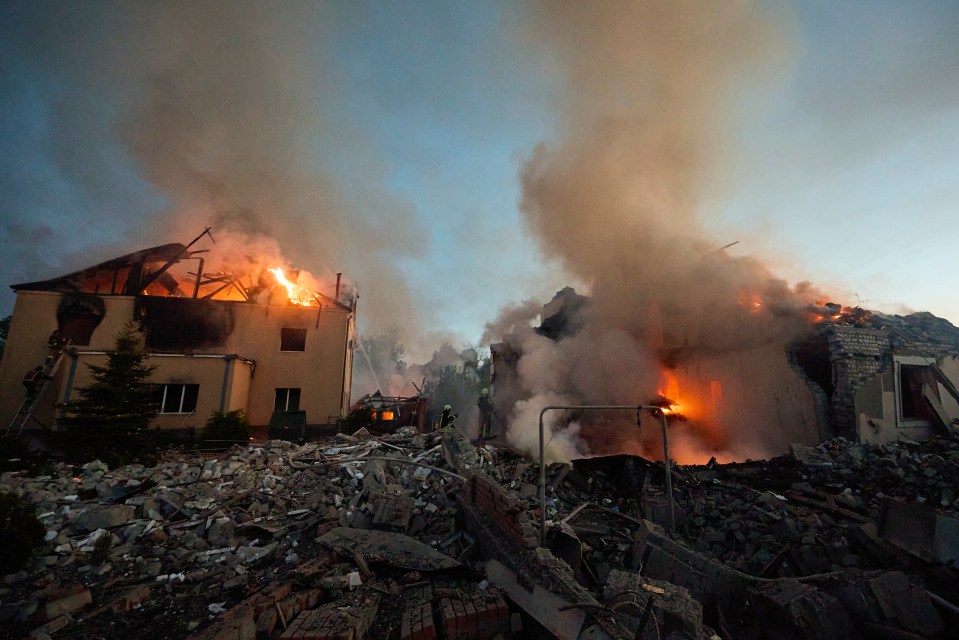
221, 105
616, 198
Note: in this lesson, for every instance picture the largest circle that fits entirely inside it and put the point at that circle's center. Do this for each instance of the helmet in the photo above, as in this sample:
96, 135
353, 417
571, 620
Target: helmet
447, 407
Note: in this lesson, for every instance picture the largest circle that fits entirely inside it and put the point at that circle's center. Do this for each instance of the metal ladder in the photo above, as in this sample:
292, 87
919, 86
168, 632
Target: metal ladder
25, 412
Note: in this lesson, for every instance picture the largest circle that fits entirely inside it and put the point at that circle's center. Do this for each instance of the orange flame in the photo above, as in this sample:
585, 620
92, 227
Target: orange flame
669, 388
296, 294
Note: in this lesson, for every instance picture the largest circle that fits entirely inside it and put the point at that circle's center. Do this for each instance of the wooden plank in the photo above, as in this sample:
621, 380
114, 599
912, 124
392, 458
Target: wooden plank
933, 401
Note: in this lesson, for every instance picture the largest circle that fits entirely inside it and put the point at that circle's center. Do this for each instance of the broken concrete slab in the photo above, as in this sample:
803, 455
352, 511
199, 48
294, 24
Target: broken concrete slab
104, 518
394, 549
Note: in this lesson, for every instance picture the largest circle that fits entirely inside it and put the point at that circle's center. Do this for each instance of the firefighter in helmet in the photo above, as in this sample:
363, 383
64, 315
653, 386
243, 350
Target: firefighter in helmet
447, 418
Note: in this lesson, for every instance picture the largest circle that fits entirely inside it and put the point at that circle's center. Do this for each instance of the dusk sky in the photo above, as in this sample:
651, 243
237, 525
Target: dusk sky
388, 140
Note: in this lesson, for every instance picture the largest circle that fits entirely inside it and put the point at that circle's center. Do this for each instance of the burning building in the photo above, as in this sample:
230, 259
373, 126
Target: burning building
246, 337
833, 371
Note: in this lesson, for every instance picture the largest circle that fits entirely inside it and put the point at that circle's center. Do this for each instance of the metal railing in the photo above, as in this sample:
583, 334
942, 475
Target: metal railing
653, 409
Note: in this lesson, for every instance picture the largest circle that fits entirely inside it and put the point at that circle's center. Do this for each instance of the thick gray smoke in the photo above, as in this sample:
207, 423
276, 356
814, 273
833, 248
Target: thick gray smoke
615, 197
222, 106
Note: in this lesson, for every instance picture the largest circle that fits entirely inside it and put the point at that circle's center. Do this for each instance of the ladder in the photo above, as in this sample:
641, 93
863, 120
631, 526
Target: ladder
43, 379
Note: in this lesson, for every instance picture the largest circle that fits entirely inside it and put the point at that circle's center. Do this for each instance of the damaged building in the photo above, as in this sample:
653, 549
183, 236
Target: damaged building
220, 341
836, 371
881, 378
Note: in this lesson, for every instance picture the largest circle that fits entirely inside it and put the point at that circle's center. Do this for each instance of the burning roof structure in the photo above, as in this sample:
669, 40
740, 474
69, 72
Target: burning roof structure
227, 329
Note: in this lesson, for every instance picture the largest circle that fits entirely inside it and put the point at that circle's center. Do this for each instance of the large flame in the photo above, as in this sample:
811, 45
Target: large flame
672, 404
294, 292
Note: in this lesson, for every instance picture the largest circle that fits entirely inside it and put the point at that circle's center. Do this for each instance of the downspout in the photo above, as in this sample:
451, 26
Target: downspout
347, 359
230, 364
68, 387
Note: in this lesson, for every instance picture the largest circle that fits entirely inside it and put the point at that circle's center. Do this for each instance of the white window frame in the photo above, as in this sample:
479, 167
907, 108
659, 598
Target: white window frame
183, 387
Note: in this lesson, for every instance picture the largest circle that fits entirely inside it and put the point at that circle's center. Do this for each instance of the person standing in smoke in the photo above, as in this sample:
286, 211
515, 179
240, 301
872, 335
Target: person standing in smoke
485, 405
447, 418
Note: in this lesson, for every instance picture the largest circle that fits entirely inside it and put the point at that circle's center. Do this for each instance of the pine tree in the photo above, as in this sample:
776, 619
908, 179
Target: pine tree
119, 402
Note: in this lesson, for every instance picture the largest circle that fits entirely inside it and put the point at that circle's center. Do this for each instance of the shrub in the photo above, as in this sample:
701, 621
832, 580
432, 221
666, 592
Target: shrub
20, 532
232, 425
357, 419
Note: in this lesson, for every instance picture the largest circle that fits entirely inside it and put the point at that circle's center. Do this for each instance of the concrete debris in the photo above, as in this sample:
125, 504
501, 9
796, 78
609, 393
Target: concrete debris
414, 535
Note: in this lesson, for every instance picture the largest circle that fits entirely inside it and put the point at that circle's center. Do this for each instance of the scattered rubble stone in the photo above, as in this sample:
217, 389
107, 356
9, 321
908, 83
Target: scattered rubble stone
413, 535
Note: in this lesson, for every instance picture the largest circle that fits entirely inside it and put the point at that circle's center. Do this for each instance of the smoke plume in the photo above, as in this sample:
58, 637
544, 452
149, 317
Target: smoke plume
223, 108
616, 198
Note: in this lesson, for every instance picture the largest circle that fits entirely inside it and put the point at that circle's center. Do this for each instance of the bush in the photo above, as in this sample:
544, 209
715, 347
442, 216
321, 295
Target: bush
20, 533
357, 419
232, 425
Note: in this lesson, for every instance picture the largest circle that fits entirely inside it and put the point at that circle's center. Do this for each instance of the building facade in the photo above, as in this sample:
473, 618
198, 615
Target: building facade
216, 345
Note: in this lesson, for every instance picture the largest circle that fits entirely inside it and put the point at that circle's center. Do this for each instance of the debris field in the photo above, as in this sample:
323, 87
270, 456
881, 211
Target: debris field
413, 535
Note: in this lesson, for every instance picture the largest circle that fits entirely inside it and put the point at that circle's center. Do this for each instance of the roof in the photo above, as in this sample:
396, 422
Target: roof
75, 281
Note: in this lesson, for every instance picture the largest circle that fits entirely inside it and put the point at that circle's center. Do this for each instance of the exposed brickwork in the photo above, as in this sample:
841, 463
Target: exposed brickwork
334, 621
474, 616
418, 623
504, 509
857, 355
249, 619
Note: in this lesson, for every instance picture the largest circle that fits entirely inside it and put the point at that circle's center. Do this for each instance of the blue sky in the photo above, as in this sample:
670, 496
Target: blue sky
411, 122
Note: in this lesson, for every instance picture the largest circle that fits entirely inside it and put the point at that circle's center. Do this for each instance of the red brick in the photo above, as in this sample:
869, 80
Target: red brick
472, 620
426, 620
448, 617
406, 627
131, 598
265, 624
68, 604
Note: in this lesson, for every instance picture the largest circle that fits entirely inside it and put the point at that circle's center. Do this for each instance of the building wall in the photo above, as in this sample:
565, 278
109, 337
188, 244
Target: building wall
877, 403
754, 391
865, 400
227, 381
319, 371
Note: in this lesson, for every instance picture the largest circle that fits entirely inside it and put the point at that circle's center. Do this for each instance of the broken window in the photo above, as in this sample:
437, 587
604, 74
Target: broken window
913, 381
292, 339
178, 398
287, 399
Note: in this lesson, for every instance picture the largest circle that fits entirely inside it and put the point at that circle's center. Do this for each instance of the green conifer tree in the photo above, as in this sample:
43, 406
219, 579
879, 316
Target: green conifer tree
120, 401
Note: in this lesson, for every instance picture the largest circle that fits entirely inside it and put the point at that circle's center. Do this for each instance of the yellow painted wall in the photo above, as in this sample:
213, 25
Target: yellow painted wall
322, 371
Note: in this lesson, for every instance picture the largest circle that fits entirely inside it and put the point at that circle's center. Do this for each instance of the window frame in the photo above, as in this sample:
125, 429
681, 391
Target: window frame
184, 400
287, 392
292, 337
913, 363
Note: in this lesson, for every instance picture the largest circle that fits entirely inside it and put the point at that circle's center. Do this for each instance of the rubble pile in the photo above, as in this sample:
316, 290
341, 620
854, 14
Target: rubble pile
264, 541
414, 535
825, 542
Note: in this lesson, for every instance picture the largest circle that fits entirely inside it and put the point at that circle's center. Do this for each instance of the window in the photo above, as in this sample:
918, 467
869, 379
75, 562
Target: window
178, 398
292, 339
914, 382
287, 400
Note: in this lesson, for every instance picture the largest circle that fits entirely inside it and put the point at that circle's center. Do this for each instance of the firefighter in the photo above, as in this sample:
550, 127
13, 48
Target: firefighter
31, 380
485, 405
447, 418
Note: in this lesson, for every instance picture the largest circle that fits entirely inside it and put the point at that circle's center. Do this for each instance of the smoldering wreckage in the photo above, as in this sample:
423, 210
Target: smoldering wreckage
851, 532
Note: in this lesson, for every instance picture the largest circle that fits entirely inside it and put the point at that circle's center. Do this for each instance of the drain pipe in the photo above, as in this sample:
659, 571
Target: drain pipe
542, 457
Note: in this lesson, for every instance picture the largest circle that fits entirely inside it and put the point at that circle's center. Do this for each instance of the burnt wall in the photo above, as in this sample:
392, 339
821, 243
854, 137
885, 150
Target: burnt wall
184, 324
810, 359
855, 355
